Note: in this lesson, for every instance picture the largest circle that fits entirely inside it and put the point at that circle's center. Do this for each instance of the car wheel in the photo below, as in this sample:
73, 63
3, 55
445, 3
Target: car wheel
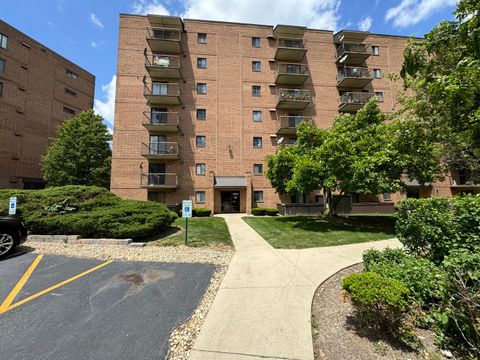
7, 244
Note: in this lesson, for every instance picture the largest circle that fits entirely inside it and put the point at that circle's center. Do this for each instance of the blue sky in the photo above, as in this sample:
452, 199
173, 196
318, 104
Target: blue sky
86, 31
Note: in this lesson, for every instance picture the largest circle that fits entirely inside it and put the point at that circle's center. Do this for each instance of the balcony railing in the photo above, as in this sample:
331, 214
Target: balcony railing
163, 66
293, 98
161, 150
353, 54
288, 124
164, 39
162, 93
160, 121
159, 180
353, 101
290, 49
291, 74
355, 77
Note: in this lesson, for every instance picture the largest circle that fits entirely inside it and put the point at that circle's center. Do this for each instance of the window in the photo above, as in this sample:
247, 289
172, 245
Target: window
201, 88
70, 92
201, 114
3, 41
256, 66
255, 41
257, 142
3, 62
72, 74
257, 115
202, 63
156, 196
200, 169
387, 197
200, 197
202, 38
1, 89
257, 169
201, 141
258, 195
68, 110
256, 90
377, 73
376, 50
379, 95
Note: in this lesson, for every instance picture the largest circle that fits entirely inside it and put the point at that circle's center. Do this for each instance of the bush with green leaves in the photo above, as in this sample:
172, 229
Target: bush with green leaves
201, 212
434, 227
271, 211
88, 211
380, 302
259, 211
424, 279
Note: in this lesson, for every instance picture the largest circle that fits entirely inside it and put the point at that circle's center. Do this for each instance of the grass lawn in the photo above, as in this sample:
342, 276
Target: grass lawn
206, 231
299, 232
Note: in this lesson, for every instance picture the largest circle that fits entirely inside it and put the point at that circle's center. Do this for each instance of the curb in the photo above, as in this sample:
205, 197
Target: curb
76, 239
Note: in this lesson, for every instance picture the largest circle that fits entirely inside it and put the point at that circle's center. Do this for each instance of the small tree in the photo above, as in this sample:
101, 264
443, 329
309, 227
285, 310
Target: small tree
80, 154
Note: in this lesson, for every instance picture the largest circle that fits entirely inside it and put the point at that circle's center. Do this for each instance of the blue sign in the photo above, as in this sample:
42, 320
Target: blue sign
187, 208
12, 207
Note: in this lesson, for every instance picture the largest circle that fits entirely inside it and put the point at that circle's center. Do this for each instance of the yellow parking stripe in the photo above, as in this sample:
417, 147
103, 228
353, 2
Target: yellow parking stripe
19, 285
47, 290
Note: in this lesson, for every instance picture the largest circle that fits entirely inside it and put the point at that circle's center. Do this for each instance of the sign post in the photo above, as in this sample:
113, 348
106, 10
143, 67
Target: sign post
12, 207
186, 213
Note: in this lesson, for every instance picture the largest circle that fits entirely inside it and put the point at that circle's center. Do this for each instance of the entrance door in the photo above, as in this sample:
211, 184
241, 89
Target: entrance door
157, 144
156, 174
230, 201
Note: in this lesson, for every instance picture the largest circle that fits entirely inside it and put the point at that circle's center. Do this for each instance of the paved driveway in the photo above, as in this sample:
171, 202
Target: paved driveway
56, 307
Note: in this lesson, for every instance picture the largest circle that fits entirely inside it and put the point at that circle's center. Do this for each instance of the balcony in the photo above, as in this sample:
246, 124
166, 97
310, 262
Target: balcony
293, 99
158, 93
354, 101
291, 74
161, 150
352, 54
289, 49
288, 124
159, 181
164, 40
163, 66
160, 121
353, 77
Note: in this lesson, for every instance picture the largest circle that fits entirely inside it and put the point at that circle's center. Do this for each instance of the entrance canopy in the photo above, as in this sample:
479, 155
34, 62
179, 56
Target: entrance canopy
229, 182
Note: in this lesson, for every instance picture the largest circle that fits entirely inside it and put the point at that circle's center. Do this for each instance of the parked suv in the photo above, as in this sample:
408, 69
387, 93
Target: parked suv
12, 233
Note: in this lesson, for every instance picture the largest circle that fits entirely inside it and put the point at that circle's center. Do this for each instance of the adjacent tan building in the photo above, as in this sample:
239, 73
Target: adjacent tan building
199, 104
38, 90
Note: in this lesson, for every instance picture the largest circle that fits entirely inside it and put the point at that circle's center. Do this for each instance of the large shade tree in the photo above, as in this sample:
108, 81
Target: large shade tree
80, 154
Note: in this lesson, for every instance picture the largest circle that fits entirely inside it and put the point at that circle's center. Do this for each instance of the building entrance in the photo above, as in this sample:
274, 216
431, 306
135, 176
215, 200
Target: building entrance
230, 202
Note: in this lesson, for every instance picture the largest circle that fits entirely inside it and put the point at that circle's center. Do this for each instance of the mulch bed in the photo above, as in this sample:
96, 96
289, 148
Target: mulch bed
336, 335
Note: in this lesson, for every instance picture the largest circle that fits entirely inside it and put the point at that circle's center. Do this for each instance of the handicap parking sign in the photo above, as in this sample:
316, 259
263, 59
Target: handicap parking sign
12, 207
187, 208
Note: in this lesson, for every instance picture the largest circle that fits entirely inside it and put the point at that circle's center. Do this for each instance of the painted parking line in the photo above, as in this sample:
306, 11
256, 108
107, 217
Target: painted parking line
7, 303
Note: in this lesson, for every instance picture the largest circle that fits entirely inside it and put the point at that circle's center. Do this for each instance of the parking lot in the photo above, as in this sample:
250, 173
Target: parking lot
56, 307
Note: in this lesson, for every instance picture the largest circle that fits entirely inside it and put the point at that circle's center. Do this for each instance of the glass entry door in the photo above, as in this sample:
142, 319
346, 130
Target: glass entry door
156, 174
230, 201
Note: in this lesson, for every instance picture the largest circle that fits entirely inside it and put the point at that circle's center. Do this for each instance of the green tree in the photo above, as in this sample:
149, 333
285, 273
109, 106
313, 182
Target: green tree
80, 154
442, 73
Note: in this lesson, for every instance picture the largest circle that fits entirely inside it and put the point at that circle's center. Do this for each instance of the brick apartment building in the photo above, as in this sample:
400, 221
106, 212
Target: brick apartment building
38, 90
199, 104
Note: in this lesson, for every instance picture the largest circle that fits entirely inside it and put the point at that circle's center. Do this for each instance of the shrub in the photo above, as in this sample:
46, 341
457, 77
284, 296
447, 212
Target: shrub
422, 277
434, 227
380, 302
92, 212
271, 211
201, 212
259, 211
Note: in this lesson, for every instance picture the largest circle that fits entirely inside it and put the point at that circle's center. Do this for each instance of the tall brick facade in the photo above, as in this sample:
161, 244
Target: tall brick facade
160, 138
38, 90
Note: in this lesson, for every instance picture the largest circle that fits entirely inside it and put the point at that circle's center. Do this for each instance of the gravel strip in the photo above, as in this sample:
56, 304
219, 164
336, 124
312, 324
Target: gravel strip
178, 254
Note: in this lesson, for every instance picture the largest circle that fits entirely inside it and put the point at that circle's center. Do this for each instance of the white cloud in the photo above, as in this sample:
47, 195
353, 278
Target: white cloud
411, 12
365, 24
96, 21
49, 23
107, 108
96, 44
145, 7
312, 13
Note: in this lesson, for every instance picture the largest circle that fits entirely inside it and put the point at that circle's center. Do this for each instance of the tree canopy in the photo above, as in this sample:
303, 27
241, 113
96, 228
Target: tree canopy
80, 154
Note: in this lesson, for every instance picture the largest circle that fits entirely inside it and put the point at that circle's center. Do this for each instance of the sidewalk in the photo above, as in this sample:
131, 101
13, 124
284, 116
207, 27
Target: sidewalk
263, 307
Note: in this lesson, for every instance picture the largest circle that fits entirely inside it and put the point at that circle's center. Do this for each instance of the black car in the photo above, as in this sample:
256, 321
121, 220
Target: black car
12, 233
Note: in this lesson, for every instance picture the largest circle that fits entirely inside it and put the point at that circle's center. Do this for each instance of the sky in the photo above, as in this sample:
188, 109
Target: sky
86, 31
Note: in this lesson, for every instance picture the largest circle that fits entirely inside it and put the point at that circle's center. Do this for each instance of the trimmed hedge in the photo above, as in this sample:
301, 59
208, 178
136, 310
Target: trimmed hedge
201, 212
264, 211
434, 227
88, 211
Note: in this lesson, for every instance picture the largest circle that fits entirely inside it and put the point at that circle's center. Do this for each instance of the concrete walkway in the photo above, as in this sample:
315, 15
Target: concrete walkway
263, 307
